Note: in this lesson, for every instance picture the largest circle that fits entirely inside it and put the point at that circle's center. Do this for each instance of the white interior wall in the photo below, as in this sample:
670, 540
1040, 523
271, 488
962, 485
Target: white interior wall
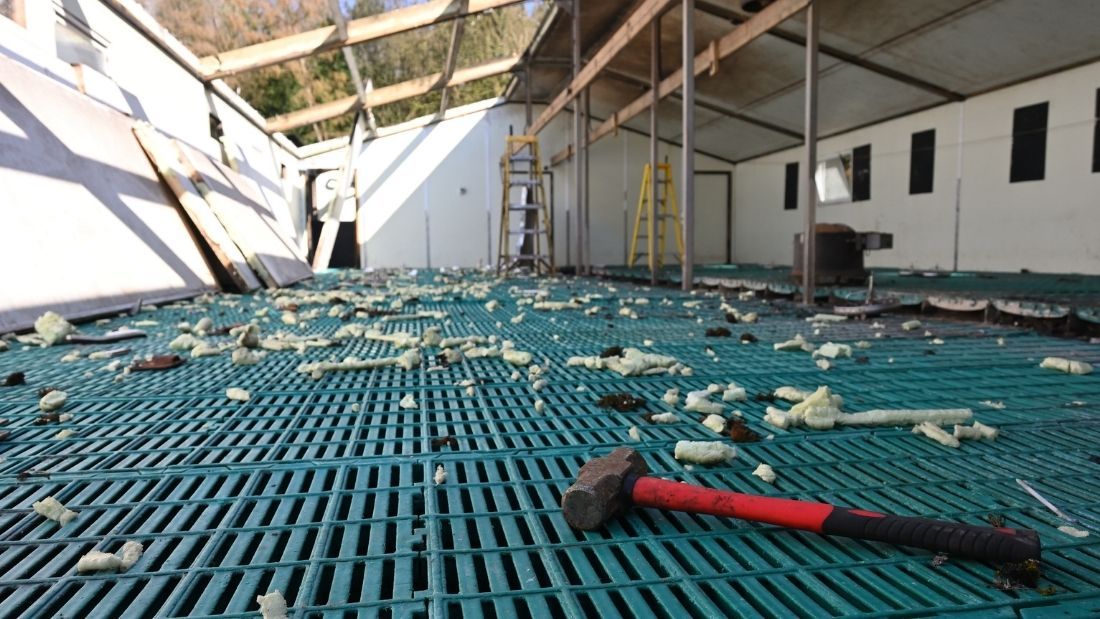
432, 195
142, 80
1049, 225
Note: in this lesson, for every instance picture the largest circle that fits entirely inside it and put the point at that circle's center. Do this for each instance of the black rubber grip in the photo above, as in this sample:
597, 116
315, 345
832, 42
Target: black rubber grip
986, 543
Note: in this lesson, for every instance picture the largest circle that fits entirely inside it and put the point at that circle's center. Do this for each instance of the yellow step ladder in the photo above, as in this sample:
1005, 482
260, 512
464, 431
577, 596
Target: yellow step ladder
668, 212
521, 172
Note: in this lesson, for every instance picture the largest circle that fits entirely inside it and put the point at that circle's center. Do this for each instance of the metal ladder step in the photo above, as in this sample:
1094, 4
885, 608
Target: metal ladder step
521, 158
524, 207
527, 231
529, 182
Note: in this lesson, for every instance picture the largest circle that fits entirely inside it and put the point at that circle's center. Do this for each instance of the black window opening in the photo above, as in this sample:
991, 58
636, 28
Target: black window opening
922, 161
1029, 143
790, 187
861, 173
1096, 136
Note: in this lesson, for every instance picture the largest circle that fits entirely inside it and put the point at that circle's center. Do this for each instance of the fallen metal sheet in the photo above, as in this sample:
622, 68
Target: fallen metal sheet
88, 227
237, 202
163, 153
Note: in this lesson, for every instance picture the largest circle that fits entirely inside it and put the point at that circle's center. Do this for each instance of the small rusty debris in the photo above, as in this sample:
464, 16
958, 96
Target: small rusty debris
613, 351
46, 418
27, 474
764, 396
731, 318
15, 378
995, 520
748, 338
446, 440
622, 402
718, 332
929, 352
1022, 575
740, 432
158, 362
939, 559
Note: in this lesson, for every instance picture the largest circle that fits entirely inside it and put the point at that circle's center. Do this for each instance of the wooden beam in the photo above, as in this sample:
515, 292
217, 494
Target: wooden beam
360, 30
390, 94
452, 59
729, 43
646, 12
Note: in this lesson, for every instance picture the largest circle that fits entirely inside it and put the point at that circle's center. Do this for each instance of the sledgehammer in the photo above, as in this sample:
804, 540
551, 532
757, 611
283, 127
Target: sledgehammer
605, 485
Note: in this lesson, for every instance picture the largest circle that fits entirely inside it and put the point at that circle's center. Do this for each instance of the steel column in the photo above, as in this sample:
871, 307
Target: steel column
809, 262
687, 152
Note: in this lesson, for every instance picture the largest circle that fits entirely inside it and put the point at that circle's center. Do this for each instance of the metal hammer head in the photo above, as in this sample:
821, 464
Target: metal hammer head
598, 492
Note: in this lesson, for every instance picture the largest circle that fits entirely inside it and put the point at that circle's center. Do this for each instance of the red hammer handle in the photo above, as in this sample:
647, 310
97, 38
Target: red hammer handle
985, 543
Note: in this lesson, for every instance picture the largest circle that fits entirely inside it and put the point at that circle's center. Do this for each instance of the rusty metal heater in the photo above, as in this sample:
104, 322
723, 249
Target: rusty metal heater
839, 253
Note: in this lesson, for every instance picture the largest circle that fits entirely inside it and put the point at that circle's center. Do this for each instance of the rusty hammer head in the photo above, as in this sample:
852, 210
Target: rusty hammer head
598, 492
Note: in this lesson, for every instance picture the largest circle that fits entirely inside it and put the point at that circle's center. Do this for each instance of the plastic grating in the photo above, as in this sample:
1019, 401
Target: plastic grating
1069, 288
323, 488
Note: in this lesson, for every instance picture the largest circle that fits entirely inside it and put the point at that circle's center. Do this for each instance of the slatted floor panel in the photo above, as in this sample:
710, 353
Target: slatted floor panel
323, 488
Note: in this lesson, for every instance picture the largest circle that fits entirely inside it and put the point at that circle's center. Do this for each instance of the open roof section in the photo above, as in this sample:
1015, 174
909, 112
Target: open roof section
879, 60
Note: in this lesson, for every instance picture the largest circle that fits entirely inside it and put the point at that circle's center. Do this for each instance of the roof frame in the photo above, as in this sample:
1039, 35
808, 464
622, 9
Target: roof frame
362, 30
452, 58
391, 94
740, 17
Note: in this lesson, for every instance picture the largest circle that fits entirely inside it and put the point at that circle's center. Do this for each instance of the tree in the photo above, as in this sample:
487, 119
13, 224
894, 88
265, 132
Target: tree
209, 26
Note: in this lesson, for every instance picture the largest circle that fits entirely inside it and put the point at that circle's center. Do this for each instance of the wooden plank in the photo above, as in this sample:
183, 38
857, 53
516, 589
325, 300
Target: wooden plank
238, 204
361, 30
725, 46
88, 226
390, 94
322, 253
639, 20
164, 156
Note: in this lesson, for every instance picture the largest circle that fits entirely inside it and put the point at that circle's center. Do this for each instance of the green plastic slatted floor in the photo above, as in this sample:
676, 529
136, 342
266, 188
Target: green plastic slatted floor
1069, 288
299, 490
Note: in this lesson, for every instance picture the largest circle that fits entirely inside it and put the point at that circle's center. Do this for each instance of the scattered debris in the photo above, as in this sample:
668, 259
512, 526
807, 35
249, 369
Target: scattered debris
832, 351
909, 325
765, 472
794, 344
704, 452
408, 402
699, 402
52, 509
272, 605
740, 432
764, 396
238, 394
408, 360
939, 559
52, 328
622, 402
662, 418
671, 397
63, 434
718, 332
748, 338
717, 423
995, 520
824, 364
157, 362
1073, 531
15, 378
445, 441
635, 434
977, 431
440, 475
1022, 575
733, 393
98, 561
52, 400
632, 362
1069, 366
517, 357
935, 433
245, 356
185, 341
